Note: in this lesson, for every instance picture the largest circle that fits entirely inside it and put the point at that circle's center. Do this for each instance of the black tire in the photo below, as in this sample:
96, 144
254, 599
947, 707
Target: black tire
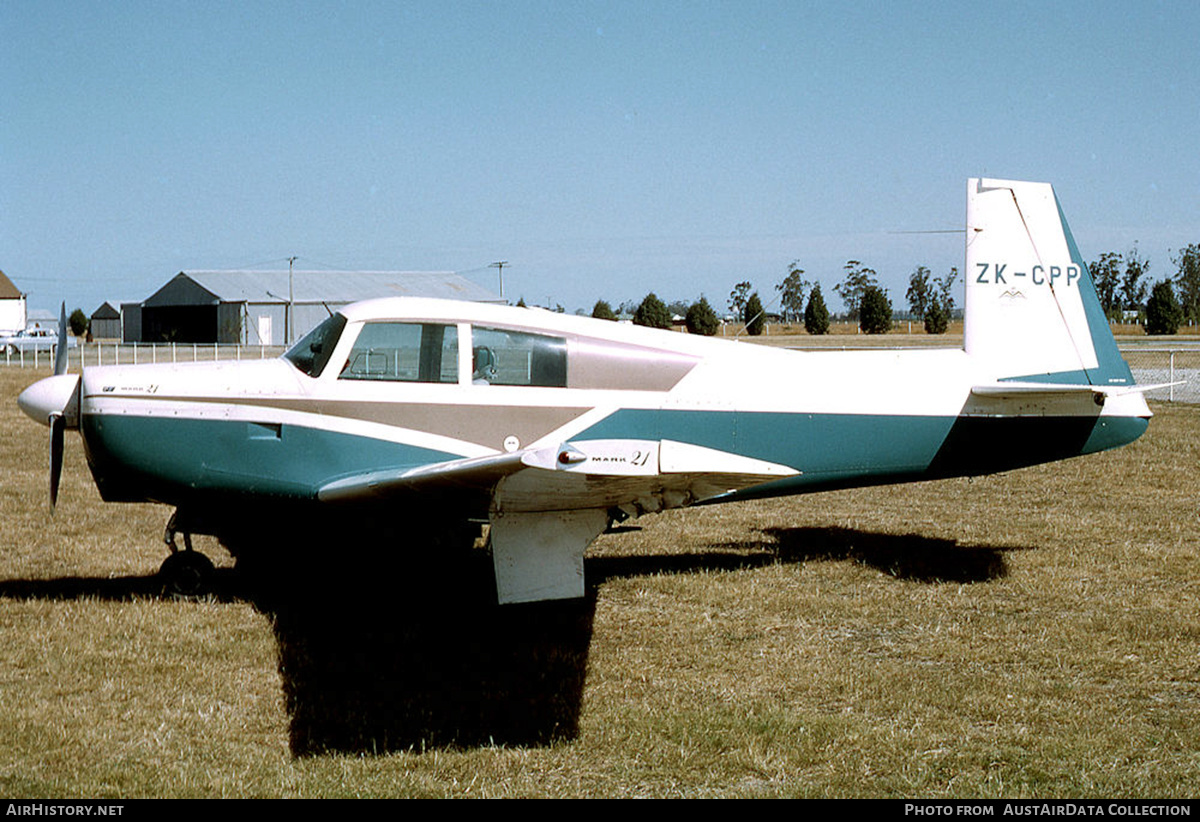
186, 574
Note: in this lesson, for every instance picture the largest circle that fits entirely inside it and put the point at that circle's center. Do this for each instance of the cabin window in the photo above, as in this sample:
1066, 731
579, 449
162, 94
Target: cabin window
502, 357
311, 354
404, 352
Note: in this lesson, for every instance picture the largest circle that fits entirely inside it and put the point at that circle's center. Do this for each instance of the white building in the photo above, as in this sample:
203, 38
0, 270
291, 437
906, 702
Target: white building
12, 307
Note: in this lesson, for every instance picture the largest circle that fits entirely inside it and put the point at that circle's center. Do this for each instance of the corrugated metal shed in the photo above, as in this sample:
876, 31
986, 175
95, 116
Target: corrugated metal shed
106, 311
271, 307
338, 287
41, 318
131, 322
106, 322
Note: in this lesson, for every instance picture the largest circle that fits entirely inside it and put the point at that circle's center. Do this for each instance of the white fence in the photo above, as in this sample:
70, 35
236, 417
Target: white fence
1151, 364
114, 353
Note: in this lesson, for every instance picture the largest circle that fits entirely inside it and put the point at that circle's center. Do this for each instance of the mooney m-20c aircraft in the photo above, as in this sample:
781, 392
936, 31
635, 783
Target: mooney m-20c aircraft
548, 427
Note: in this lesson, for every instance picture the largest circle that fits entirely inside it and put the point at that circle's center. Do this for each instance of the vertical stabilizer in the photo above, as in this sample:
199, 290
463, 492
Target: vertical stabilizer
1032, 313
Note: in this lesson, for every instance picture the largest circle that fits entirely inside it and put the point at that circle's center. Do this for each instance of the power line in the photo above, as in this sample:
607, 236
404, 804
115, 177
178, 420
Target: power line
255, 265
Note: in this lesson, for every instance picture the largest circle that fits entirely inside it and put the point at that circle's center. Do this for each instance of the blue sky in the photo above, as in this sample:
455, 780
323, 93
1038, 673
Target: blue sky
604, 149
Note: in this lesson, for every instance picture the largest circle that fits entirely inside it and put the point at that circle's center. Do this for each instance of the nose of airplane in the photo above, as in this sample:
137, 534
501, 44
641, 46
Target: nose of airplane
53, 395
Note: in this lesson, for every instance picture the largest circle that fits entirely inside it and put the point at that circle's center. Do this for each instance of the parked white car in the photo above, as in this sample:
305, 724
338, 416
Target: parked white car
39, 339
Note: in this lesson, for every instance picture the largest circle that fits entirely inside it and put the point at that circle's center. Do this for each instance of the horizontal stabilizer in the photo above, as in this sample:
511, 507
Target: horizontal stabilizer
1018, 390
1141, 389
1021, 390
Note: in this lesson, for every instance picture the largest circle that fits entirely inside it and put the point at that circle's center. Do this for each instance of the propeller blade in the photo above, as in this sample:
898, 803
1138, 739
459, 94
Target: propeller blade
57, 426
60, 354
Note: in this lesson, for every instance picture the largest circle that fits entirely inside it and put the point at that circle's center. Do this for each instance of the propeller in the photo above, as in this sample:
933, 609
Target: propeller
57, 423
57, 426
60, 354
54, 402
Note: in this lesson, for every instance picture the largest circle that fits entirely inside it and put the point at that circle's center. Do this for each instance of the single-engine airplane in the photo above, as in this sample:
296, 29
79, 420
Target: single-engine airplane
548, 427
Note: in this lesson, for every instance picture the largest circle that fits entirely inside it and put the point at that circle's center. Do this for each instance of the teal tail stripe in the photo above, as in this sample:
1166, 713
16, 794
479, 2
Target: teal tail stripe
1111, 368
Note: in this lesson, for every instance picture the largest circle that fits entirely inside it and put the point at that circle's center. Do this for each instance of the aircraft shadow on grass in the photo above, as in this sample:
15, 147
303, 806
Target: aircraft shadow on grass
908, 556
903, 556
410, 655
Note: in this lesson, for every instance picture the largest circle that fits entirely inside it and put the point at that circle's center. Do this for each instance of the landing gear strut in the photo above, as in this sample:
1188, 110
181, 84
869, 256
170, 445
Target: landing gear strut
187, 572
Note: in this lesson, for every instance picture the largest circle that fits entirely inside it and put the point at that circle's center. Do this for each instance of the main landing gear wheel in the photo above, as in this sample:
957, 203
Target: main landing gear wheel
186, 574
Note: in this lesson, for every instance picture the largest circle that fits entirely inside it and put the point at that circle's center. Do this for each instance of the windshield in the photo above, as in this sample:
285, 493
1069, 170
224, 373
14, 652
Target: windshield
312, 353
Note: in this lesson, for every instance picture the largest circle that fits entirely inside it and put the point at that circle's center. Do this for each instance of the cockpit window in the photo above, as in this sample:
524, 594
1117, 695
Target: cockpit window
404, 352
311, 354
502, 357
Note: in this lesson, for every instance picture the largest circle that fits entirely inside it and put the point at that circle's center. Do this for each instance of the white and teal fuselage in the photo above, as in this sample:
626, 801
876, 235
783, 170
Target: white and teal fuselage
594, 416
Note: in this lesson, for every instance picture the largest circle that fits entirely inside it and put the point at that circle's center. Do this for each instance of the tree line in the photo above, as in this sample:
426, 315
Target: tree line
701, 318
800, 301
1121, 282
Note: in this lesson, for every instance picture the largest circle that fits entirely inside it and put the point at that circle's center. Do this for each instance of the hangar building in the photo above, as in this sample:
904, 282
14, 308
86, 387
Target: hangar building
275, 307
106, 322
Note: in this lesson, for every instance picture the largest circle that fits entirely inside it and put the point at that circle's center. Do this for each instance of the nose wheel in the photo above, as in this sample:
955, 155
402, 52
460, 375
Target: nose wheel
186, 572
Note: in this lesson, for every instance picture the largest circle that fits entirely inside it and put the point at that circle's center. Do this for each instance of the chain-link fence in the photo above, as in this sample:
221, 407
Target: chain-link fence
1159, 365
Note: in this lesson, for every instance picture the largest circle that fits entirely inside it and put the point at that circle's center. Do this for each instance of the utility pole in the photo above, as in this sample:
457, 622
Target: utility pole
289, 318
500, 267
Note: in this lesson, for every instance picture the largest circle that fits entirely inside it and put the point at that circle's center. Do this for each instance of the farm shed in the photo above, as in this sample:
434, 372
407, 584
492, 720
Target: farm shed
41, 319
131, 322
275, 307
106, 322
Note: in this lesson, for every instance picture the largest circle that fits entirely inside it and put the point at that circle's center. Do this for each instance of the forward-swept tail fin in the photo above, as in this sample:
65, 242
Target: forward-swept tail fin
1032, 313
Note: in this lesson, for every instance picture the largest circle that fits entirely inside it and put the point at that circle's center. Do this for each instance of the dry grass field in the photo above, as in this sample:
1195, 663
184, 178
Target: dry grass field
1033, 634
